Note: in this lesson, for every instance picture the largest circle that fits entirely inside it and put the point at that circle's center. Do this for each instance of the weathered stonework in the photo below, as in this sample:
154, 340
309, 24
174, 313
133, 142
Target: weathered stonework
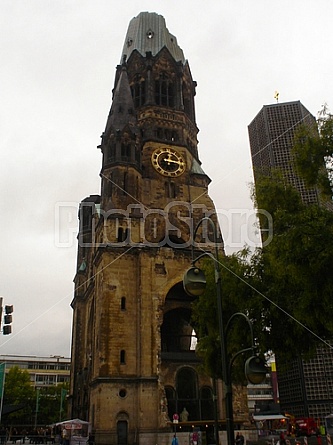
134, 364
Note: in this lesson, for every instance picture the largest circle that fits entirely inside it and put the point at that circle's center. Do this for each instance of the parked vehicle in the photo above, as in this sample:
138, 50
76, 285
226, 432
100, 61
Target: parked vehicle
305, 426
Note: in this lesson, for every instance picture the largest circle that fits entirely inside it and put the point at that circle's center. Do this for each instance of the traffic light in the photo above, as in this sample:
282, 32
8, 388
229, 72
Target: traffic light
8, 318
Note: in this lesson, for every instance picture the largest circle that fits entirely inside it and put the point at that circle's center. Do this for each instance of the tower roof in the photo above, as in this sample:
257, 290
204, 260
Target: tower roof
148, 33
122, 108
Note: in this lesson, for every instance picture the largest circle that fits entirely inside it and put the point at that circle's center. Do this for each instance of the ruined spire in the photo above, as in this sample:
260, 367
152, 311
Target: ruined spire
122, 108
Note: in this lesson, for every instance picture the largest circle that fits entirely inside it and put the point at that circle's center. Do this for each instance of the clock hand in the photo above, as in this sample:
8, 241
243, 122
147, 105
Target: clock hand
169, 160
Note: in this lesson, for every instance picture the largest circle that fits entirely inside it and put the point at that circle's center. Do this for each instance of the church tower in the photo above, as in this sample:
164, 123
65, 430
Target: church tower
133, 347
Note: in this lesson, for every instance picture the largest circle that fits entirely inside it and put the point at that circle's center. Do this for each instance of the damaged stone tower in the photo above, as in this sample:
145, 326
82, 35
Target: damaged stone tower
133, 347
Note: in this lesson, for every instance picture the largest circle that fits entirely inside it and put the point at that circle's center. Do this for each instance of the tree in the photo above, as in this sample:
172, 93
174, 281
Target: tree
18, 391
286, 288
234, 270
313, 152
294, 272
51, 401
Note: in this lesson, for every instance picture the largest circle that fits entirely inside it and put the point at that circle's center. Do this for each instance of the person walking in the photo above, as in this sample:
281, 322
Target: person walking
239, 439
282, 438
174, 440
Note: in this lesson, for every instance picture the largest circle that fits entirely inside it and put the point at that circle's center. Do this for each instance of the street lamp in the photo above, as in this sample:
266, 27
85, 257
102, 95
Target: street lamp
194, 283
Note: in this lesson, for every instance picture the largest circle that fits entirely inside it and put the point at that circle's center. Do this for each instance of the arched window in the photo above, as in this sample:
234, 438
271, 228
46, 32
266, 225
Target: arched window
164, 91
207, 404
125, 152
199, 405
187, 392
187, 388
170, 394
138, 90
111, 152
174, 136
176, 331
108, 182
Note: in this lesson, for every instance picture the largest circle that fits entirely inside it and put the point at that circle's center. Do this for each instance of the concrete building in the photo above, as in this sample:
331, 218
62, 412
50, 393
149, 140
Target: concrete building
271, 136
43, 371
306, 387
264, 394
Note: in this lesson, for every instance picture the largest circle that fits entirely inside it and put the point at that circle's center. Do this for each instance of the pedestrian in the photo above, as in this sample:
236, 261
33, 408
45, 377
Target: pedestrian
65, 436
174, 440
282, 438
239, 439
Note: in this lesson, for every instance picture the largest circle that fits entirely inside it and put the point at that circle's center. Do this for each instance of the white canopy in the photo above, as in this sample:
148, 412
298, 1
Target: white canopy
73, 422
269, 417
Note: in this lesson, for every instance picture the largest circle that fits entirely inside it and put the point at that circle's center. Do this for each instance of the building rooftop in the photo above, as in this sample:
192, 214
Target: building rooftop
148, 33
33, 358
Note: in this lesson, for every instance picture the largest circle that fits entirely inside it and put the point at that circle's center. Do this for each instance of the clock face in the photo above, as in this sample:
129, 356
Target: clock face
168, 162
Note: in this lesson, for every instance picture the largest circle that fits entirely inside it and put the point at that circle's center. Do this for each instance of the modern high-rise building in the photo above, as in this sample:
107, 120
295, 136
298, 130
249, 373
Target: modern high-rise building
271, 136
134, 366
305, 386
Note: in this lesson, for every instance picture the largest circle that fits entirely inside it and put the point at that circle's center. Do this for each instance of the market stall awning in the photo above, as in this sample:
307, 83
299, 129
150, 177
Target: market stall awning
269, 417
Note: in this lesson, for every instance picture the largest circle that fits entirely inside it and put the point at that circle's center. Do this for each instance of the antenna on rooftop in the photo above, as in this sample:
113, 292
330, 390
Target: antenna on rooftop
276, 96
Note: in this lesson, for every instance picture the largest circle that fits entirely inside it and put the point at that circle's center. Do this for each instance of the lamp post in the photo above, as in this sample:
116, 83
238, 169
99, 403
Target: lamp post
194, 284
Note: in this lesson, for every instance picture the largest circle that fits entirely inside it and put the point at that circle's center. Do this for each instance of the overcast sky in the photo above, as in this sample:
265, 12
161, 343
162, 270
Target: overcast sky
58, 60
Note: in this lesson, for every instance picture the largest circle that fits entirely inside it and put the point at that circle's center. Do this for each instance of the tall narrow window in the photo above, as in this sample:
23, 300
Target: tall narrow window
206, 402
125, 183
107, 184
174, 136
122, 357
188, 392
137, 154
139, 93
125, 152
170, 394
123, 303
110, 184
120, 235
137, 187
123, 234
111, 152
170, 189
164, 91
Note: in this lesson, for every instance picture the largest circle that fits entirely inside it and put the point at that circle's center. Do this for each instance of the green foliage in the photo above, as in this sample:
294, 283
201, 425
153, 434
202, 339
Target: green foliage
313, 152
285, 288
294, 271
50, 404
296, 278
18, 390
234, 269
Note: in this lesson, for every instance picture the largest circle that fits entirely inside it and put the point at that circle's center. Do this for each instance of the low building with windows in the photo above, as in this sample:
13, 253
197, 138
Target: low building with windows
43, 371
261, 396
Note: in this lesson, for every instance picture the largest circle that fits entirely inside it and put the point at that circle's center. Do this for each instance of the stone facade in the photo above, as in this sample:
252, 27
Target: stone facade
133, 357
